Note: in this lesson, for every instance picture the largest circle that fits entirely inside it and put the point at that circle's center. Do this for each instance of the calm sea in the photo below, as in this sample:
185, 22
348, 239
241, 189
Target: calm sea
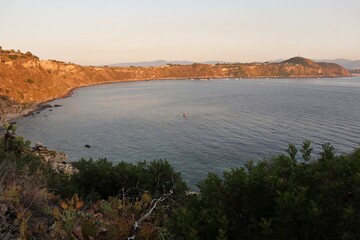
227, 123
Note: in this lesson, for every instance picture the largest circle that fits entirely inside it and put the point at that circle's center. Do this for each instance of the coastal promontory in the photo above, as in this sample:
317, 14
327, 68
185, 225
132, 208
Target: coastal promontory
24, 78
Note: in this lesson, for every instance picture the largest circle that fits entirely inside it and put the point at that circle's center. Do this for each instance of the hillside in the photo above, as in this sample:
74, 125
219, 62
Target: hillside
150, 63
345, 63
159, 63
25, 78
355, 71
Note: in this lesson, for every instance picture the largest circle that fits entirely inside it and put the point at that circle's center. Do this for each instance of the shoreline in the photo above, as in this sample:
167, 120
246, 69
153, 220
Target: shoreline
71, 90
11, 117
27, 79
40, 106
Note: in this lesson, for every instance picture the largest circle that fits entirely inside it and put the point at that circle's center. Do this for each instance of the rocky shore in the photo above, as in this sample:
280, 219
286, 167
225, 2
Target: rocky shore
12, 113
57, 160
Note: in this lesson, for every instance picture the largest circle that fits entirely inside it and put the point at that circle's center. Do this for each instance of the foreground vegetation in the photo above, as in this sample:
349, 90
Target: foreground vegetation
291, 196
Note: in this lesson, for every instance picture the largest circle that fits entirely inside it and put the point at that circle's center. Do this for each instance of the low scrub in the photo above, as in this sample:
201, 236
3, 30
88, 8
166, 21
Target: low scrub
284, 197
101, 178
280, 198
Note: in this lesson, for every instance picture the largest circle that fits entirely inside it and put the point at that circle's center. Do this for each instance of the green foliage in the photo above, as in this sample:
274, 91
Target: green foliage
328, 152
16, 149
13, 57
29, 54
88, 229
157, 177
4, 98
29, 80
277, 199
292, 151
68, 219
306, 150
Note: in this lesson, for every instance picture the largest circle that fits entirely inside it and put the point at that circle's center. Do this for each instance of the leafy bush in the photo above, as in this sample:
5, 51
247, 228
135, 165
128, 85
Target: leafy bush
29, 80
4, 98
13, 57
277, 199
101, 179
29, 211
15, 149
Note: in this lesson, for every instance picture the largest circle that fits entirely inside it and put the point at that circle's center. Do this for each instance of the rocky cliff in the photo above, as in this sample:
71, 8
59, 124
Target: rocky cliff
25, 78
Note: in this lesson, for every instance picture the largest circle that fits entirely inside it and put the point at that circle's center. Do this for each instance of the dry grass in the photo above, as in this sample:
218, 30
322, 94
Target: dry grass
22, 195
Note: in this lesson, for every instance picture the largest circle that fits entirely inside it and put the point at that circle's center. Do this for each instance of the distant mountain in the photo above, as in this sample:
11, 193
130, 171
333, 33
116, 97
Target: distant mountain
277, 60
352, 65
214, 62
345, 63
159, 63
150, 63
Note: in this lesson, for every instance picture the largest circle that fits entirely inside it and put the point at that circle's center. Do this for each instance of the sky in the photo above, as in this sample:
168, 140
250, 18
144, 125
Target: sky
98, 32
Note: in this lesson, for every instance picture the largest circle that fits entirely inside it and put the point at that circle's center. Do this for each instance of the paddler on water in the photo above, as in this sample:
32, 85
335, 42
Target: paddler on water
185, 115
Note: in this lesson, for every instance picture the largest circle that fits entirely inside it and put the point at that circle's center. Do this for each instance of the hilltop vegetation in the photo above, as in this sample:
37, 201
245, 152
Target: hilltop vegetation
5, 102
355, 71
283, 197
26, 79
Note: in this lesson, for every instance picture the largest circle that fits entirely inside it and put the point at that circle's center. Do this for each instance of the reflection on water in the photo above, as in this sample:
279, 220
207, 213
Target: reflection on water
228, 122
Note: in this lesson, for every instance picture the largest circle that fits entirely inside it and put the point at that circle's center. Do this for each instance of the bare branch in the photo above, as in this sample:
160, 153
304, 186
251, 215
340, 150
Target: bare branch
153, 205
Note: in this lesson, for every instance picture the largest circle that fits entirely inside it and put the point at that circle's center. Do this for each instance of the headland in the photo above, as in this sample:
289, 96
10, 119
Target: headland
26, 81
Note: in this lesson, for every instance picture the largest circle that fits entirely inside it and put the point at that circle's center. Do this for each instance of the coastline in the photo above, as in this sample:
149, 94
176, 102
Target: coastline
71, 90
12, 116
28, 80
40, 106
45, 105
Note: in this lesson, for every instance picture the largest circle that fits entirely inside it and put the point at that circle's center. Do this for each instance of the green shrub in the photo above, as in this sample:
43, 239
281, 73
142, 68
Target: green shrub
277, 199
13, 57
101, 179
29, 80
4, 98
16, 149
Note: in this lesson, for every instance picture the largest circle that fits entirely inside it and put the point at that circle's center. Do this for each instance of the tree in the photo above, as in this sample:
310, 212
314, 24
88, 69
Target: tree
29, 54
306, 150
292, 151
328, 152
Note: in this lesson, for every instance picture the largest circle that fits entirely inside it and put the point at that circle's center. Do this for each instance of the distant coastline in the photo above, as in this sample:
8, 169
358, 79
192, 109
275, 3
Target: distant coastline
27, 82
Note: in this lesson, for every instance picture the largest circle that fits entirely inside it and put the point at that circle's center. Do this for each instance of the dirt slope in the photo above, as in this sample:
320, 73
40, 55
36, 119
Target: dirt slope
26, 79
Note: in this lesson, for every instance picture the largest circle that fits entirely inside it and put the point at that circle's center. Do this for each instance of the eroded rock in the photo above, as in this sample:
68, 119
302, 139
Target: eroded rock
57, 160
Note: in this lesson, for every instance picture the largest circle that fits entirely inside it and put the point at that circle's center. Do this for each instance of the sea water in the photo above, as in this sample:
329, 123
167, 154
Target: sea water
227, 121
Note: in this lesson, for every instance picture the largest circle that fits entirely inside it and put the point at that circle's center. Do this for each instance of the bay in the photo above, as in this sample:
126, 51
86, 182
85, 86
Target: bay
229, 121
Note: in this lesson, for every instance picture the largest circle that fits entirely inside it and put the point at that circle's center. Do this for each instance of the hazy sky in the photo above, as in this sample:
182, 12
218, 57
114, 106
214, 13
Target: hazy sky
112, 31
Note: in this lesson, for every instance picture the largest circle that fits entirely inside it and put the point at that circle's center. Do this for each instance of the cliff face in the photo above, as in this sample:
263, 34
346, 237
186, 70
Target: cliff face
26, 79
